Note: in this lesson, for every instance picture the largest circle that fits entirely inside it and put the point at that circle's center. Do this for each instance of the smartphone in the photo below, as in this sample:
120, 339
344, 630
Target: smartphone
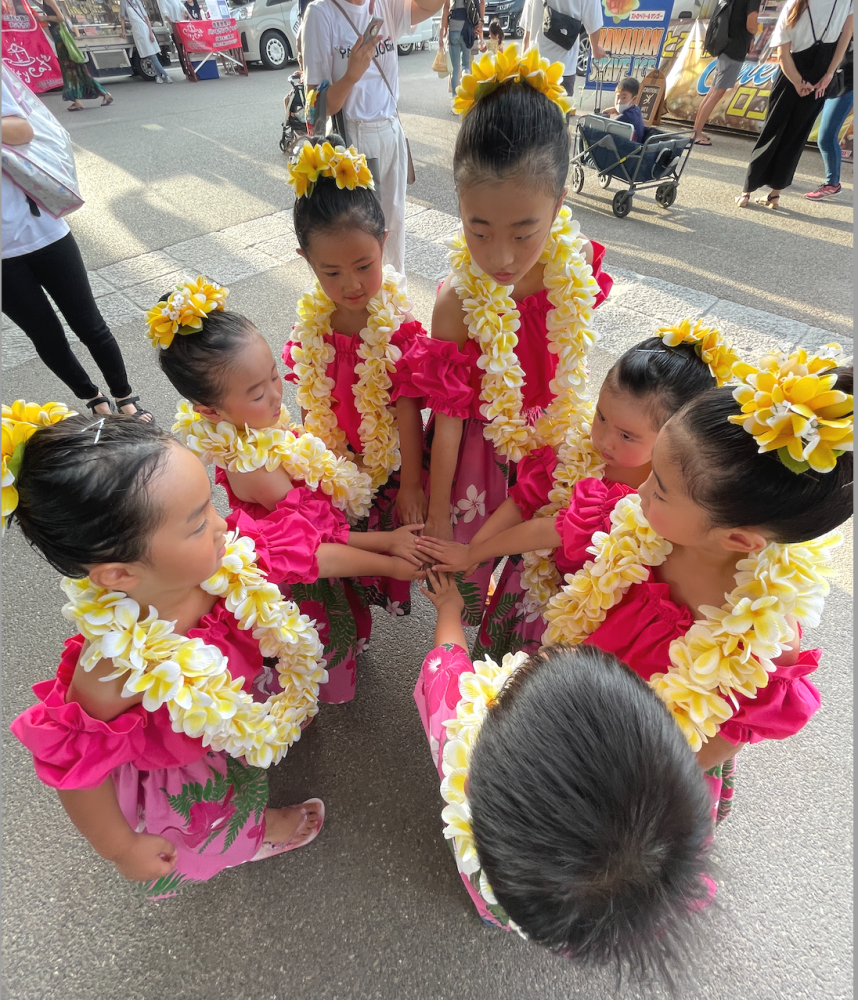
372, 29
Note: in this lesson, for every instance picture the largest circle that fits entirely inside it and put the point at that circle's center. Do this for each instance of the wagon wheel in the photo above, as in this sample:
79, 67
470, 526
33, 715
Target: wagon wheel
622, 204
604, 181
665, 194
577, 178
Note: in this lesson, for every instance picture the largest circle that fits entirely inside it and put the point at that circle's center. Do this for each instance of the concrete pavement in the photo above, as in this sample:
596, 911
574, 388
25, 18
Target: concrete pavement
374, 908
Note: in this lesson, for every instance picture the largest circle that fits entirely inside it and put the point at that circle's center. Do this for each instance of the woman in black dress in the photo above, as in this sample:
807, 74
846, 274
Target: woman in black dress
811, 37
78, 85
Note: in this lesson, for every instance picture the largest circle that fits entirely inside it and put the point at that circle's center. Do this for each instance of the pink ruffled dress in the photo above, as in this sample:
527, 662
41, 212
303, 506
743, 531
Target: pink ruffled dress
450, 381
206, 803
507, 626
392, 595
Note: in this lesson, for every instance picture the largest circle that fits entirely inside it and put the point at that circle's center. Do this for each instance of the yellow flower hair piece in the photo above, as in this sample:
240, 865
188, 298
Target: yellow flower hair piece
491, 70
285, 445
790, 406
708, 343
193, 679
20, 422
348, 168
729, 652
184, 311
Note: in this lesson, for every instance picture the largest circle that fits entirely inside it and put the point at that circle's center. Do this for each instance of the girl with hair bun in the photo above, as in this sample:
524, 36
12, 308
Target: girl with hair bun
505, 368
347, 353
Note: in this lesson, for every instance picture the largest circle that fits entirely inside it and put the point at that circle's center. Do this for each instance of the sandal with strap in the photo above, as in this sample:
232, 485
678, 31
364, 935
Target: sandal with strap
97, 402
768, 202
138, 414
269, 848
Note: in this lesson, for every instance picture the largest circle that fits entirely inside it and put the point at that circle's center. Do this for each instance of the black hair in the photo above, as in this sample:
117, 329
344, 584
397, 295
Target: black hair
663, 379
724, 473
197, 363
495, 28
328, 207
590, 812
82, 491
630, 84
515, 131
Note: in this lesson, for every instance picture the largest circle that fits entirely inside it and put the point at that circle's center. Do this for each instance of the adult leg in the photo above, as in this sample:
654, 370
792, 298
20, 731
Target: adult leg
59, 268
767, 149
159, 69
703, 113
833, 116
456, 57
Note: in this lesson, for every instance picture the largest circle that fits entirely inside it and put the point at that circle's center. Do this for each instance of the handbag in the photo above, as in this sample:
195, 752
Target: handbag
43, 168
562, 29
841, 82
67, 39
439, 63
410, 175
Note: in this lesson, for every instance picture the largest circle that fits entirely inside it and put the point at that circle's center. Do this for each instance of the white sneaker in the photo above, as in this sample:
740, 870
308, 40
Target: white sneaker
168, 79
158, 79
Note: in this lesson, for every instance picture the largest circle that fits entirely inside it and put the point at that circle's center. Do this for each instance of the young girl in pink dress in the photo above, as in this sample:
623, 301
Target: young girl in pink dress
575, 808
511, 324
232, 415
158, 727
646, 386
347, 351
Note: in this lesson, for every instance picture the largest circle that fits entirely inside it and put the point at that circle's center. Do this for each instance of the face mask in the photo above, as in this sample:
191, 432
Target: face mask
622, 106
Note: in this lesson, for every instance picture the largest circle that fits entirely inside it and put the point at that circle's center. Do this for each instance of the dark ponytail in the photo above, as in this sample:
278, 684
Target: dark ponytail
82, 491
329, 207
725, 474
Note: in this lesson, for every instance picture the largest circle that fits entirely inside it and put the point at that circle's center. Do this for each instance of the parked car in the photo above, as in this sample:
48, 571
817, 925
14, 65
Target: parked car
508, 12
267, 30
420, 35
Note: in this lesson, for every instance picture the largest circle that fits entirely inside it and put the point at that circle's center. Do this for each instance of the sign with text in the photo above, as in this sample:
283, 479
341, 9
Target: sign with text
209, 36
634, 33
26, 49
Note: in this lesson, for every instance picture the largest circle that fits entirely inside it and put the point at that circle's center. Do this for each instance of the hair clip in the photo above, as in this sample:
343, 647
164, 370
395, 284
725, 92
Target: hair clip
96, 424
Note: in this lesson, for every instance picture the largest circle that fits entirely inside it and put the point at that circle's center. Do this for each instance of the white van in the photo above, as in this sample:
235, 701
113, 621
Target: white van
267, 29
417, 39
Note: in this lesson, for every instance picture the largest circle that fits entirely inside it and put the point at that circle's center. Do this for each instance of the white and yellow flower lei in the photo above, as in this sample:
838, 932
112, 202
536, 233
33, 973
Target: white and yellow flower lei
303, 456
191, 678
730, 651
378, 432
478, 691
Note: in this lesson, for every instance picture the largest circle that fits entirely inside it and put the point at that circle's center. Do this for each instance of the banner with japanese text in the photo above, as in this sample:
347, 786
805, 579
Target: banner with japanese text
209, 36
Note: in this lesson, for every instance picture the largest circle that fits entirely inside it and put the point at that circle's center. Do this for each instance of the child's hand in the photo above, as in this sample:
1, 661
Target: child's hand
401, 569
412, 505
402, 543
442, 591
148, 858
446, 557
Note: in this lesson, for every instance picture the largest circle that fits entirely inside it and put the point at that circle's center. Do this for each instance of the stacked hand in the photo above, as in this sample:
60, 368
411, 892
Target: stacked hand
446, 557
411, 505
442, 591
403, 544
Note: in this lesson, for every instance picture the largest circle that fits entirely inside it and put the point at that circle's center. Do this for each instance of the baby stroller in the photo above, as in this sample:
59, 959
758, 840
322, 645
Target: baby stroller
295, 126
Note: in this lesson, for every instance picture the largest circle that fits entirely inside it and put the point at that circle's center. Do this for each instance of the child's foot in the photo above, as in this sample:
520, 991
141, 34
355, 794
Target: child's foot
290, 828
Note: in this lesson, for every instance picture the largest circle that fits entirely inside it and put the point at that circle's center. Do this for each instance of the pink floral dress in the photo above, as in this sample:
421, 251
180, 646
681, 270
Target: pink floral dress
209, 805
345, 604
450, 381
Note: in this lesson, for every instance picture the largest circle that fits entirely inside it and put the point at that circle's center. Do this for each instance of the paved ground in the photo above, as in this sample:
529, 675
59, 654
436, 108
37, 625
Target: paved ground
374, 908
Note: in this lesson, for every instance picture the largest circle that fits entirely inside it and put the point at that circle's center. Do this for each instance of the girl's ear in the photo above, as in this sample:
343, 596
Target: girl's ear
209, 412
114, 576
302, 254
744, 540
559, 204
386, 234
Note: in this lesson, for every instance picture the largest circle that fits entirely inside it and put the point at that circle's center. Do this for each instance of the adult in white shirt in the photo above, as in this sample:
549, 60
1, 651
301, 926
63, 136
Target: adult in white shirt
811, 38
137, 17
588, 12
334, 53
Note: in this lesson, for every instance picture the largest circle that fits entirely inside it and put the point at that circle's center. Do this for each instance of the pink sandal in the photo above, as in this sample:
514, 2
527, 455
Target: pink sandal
270, 848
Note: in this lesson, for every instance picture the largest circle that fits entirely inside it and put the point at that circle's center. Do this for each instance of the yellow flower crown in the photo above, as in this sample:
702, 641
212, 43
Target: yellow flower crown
790, 405
348, 168
709, 346
184, 311
490, 71
20, 422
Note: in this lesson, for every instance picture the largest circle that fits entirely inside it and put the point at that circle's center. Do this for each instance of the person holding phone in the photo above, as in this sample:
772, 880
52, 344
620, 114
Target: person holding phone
361, 67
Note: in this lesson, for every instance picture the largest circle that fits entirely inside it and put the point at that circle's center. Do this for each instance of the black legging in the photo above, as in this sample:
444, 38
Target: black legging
59, 270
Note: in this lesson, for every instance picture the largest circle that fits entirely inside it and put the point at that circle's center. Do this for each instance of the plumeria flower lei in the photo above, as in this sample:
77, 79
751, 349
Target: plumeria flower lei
347, 167
193, 679
790, 405
708, 343
491, 70
378, 432
729, 652
184, 311
21, 420
303, 456
478, 692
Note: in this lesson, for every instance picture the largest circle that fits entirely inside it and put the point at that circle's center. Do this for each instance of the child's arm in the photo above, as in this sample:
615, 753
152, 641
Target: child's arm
506, 516
400, 542
442, 469
540, 533
260, 486
411, 503
716, 750
442, 591
140, 857
346, 560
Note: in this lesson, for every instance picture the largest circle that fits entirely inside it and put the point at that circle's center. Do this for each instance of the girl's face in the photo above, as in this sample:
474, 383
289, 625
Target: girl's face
254, 391
665, 503
622, 432
506, 226
188, 546
348, 265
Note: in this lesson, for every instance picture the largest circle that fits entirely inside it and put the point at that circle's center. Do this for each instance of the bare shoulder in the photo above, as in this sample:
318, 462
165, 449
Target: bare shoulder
100, 699
448, 317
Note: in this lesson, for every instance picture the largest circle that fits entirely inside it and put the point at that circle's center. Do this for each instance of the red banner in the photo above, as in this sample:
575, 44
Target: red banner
26, 49
209, 36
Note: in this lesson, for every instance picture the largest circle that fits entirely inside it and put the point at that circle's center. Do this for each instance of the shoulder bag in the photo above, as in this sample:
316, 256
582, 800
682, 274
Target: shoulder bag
562, 29
67, 38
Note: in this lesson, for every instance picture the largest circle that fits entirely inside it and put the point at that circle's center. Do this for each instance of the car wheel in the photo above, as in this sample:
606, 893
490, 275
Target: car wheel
583, 56
142, 67
273, 50
406, 50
